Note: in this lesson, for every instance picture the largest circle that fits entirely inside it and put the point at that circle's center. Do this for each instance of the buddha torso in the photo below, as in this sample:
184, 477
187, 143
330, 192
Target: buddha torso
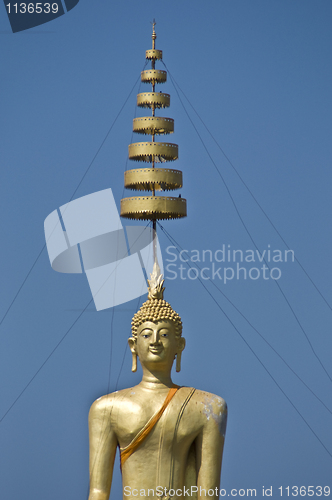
171, 454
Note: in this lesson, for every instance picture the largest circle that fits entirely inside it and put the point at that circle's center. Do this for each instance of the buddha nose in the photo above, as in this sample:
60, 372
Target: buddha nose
155, 338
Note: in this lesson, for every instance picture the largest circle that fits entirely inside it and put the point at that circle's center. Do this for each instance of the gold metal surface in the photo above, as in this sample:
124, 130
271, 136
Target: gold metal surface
153, 207
153, 151
153, 76
153, 54
153, 125
147, 179
153, 99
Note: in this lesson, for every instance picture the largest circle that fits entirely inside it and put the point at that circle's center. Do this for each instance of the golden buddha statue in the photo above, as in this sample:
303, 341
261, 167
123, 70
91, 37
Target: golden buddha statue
170, 438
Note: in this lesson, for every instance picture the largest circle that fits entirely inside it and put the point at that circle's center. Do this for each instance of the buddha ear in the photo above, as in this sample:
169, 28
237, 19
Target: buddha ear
132, 346
181, 346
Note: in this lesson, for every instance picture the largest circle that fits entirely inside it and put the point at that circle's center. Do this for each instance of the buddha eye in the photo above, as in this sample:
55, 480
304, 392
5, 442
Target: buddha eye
145, 334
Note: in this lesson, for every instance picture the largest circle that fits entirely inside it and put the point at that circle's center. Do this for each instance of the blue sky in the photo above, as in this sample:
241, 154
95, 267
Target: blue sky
259, 75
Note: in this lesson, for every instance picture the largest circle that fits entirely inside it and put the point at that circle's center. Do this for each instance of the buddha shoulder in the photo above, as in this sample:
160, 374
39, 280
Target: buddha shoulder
107, 403
212, 408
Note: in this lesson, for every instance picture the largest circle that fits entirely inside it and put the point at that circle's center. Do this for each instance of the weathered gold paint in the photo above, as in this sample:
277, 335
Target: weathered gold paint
159, 151
153, 125
153, 99
147, 179
153, 54
153, 207
153, 76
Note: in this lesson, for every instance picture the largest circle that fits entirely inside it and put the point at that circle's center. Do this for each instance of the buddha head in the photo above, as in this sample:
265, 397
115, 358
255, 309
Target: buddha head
158, 326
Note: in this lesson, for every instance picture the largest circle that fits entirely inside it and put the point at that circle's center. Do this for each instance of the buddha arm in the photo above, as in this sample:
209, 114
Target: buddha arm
209, 448
103, 444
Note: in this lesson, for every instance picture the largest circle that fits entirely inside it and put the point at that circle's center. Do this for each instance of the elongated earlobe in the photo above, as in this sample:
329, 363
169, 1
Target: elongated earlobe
178, 361
134, 362
132, 346
181, 346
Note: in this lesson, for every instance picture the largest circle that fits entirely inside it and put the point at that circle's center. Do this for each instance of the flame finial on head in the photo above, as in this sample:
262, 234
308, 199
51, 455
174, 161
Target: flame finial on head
156, 281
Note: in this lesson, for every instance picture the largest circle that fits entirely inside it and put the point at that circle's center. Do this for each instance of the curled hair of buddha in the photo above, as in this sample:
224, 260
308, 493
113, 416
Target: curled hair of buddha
156, 308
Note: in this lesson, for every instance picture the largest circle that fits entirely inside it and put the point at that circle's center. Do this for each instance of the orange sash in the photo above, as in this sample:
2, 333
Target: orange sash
126, 452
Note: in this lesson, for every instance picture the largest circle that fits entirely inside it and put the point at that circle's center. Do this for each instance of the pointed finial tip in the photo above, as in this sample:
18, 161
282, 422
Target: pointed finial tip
154, 36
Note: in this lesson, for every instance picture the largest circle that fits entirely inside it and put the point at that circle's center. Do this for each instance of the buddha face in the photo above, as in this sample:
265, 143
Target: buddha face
157, 344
